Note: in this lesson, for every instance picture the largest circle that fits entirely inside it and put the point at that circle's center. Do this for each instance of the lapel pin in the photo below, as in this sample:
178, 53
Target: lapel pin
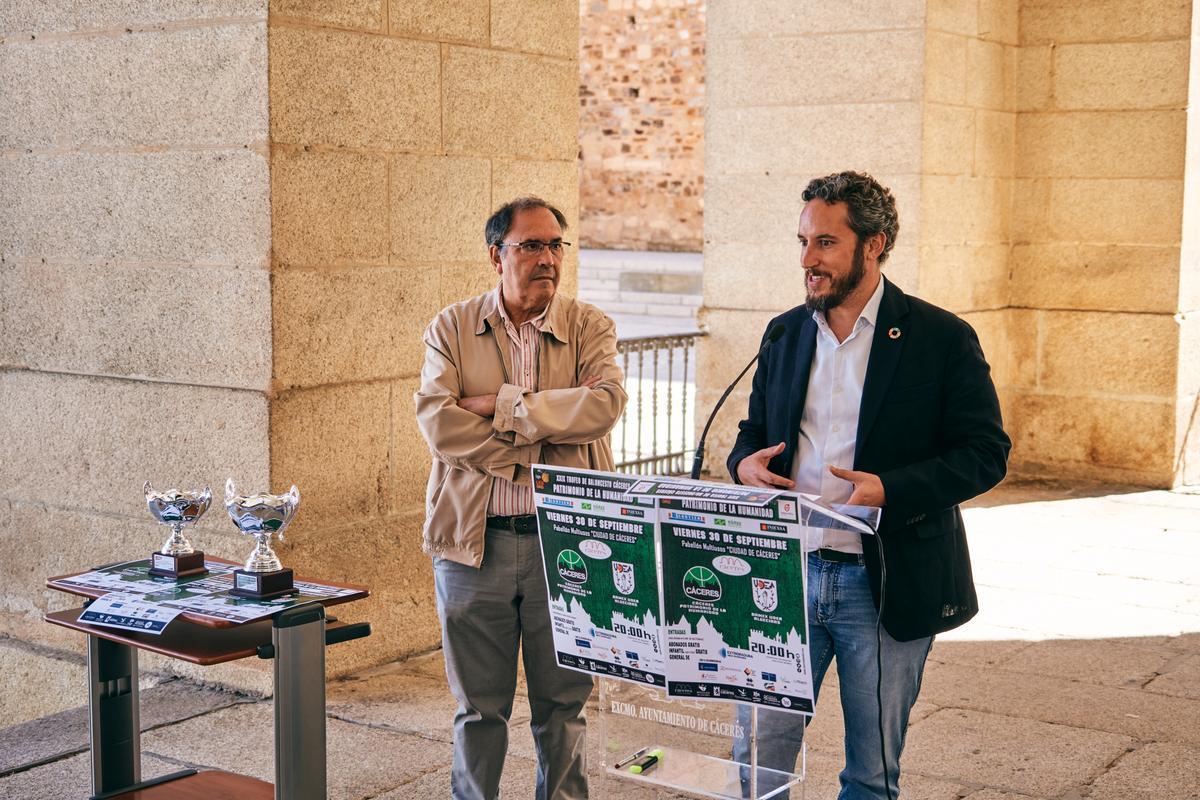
893, 333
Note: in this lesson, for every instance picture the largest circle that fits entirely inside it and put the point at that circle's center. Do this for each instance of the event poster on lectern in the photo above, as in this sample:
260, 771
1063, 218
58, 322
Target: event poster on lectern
733, 600
598, 549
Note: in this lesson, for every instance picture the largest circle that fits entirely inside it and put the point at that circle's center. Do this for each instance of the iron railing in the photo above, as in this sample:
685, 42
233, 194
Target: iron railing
657, 432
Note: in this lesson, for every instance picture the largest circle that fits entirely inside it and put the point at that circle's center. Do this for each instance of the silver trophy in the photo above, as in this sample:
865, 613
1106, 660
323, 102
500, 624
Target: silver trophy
177, 558
261, 515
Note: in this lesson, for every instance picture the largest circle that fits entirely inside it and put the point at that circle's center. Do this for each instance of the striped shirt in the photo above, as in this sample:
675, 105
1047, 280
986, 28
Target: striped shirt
509, 498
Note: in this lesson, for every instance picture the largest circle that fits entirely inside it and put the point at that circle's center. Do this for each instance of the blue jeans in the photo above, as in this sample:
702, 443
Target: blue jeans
486, 615
841, 625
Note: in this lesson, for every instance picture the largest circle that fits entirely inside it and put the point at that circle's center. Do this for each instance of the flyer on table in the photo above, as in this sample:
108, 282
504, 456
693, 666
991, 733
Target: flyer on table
598, 548
733, 598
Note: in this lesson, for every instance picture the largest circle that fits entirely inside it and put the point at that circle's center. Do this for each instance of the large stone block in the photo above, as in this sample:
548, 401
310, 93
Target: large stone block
964, 210
351, 325
59, 93
1121, 76
208, 207
121, 433
510, 104
1034, 78
753, 275
965, 277
460, 281
332, 442
782, 18
24, 16
1144, 364
784, 140
1114, 438
952, 16
460, 21
999, 21
748, 208
945, 68
995, 142
353, 90
1116, 211
1066, 275
410, 458
438, 208
1019, 358
365, 14
205, 326
540, 26
329, 208
871, 67
1106, 144
947, 139
1047, 21
986, 86
385, 556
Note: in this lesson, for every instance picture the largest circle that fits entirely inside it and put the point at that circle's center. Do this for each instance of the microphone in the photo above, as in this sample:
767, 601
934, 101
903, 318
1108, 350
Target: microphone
773, 335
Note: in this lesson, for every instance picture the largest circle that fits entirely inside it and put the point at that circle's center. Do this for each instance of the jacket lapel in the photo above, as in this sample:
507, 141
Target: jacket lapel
798, 390
886, 347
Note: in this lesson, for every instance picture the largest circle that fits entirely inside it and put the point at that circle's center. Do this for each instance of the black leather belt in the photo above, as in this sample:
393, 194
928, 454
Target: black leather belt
520, 523
838, 557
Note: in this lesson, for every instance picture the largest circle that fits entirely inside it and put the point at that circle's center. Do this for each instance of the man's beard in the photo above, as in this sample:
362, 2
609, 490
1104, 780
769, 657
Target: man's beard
839, 288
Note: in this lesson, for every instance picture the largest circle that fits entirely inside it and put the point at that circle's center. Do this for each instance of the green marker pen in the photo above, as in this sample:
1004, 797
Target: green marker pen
646, 762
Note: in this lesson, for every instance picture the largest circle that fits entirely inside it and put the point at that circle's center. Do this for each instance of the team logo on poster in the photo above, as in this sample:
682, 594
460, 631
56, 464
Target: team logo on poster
571, 567
623, 577
701, 583
766, 594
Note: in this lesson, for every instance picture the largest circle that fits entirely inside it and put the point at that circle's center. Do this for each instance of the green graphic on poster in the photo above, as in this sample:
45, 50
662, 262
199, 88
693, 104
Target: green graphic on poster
733, 598
598, 550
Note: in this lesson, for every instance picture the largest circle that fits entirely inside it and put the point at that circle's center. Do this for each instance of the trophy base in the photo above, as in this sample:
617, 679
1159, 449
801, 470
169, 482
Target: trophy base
172, 566
262, 585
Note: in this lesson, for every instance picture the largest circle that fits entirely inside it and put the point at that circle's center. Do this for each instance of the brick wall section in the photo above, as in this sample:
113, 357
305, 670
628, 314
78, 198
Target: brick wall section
396, 128
641, 138
134, 284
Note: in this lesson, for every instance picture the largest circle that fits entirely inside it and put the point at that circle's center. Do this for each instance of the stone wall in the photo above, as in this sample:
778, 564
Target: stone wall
1039, 156
1104, 380
641, 137
135, 337
395, 130
192, 287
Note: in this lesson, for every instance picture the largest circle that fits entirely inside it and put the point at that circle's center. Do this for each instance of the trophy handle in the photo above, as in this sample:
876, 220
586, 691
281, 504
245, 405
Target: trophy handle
230, 491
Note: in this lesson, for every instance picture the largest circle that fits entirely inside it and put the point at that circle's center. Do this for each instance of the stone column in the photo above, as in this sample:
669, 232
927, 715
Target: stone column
1038, 154
135, 322
395, 130
192, 287
1106, 370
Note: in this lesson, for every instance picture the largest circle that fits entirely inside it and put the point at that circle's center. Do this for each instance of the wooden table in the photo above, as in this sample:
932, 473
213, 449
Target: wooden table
294, 638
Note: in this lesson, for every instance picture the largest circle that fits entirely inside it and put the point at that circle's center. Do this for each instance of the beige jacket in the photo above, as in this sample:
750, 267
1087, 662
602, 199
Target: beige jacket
466, 353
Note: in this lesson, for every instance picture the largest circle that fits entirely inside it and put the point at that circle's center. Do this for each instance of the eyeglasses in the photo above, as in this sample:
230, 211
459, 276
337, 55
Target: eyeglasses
534, 247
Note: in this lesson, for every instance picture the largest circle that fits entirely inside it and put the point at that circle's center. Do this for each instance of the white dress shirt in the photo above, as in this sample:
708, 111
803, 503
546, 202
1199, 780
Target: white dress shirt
829, 427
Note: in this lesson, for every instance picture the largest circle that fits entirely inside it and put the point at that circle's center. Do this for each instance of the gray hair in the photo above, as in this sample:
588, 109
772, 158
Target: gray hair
501, 220
871, 208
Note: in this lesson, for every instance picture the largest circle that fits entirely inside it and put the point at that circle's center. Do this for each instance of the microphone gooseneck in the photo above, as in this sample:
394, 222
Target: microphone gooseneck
773, 335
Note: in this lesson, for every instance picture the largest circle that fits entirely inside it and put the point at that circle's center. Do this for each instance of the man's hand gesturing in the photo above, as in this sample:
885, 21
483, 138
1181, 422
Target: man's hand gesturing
752, 470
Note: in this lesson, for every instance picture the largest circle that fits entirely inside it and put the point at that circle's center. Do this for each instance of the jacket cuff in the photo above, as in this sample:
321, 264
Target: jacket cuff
506, 403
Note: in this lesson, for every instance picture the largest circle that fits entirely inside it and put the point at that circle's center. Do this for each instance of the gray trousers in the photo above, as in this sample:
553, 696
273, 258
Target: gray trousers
487, 614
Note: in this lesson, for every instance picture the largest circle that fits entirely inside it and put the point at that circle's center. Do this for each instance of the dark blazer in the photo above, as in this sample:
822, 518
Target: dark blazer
929, 427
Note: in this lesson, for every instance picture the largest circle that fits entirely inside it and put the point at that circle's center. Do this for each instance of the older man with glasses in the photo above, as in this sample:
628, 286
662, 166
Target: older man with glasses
516, 376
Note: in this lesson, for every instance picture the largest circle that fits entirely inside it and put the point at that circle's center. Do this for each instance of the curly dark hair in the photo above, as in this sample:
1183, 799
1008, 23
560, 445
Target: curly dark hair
871, 208
501, 219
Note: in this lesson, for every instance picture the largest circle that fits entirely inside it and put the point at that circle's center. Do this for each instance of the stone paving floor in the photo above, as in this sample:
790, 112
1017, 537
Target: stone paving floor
1079, 679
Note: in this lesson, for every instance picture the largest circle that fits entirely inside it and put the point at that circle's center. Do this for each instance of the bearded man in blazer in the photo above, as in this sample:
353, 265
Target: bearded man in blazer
870, 397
